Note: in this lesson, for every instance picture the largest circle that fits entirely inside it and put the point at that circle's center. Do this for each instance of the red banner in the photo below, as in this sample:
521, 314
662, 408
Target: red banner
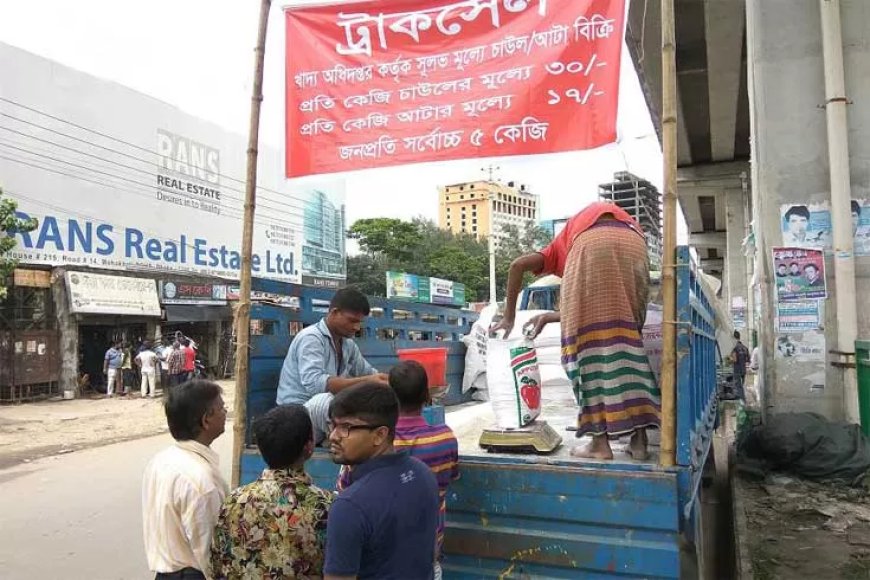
378, 83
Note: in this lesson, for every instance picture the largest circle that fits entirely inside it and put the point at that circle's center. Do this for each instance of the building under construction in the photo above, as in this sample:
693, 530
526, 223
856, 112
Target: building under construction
642, 201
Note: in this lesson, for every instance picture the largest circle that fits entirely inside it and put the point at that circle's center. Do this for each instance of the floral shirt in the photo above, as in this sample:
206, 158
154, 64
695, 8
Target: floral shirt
274, 527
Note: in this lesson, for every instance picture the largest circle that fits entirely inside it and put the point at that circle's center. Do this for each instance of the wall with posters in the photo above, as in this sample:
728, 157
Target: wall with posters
791, 195
120, 180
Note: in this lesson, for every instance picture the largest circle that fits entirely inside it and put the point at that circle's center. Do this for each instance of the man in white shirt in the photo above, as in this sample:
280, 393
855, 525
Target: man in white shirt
182, 489
147, 361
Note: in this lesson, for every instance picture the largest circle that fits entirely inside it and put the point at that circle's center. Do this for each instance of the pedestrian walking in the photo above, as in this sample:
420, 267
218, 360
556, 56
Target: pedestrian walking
175, 363
147, 361
182, 489
112, 362
189, 358
740, 357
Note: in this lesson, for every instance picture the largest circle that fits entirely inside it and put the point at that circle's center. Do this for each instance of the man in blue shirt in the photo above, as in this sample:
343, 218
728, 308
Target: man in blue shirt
323, 360
112, 363
384, 524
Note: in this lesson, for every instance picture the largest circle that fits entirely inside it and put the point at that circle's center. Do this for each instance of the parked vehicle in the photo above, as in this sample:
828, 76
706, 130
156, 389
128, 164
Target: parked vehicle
533, 516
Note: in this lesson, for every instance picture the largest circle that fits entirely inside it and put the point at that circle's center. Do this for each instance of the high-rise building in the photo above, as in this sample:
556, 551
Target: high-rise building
323, 227
465, 207
643, 202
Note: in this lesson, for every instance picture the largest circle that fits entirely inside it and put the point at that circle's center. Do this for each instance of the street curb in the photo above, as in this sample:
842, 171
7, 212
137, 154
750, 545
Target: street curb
742, 555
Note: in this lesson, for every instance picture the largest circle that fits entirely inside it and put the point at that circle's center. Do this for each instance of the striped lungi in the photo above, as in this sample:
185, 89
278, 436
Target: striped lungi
603, 307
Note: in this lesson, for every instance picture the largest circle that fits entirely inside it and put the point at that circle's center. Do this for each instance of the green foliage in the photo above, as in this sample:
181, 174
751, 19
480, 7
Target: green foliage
9, 223
420, 247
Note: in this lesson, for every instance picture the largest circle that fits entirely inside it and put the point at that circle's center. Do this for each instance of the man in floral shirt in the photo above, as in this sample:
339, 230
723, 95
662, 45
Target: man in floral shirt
275, 527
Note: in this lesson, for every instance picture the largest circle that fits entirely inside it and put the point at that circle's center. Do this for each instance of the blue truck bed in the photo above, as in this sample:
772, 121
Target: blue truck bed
534, 516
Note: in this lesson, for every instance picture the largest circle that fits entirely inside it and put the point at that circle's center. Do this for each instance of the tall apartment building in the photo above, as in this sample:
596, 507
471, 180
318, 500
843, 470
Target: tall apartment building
323, 227
643, 202
465, 207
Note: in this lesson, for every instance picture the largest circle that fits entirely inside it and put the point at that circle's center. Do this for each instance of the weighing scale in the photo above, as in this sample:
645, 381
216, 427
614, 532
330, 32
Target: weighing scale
536, 437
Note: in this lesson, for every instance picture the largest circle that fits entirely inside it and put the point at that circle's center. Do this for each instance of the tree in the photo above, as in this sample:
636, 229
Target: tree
389, 237
420, 247
516, 242
368, 274
10, 223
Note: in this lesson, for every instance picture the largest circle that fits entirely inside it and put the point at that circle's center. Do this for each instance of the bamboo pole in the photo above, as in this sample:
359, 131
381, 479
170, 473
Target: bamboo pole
667, 457
243, 314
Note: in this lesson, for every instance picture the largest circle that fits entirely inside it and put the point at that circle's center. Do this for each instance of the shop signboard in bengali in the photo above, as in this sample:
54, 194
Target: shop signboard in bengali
121, 295
180, 292
409, 81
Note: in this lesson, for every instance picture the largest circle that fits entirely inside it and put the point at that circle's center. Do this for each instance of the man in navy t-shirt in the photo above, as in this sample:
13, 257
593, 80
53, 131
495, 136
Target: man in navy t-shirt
383, 526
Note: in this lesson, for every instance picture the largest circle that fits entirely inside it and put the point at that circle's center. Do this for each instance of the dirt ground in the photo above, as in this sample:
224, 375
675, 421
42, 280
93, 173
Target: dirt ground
800, 529
34, 430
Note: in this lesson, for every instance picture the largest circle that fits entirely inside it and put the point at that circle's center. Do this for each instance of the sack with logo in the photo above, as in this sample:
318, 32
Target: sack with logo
514, 381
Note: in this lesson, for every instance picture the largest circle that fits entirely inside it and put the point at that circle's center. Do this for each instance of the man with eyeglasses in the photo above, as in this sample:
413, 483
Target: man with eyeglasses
384, 524
323, 360
182, 489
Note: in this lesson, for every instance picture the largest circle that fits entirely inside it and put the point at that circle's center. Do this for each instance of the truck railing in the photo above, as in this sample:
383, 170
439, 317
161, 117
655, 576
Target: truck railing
697, 397
281, 310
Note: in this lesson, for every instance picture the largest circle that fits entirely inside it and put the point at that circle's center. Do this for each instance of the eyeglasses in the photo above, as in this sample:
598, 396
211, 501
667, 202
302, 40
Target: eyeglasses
343, 430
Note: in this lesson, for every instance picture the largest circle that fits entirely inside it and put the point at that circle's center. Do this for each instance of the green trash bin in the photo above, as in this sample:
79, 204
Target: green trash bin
862, 357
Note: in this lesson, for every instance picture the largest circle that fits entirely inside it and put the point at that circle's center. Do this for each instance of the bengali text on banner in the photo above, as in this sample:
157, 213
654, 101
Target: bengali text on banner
375, 83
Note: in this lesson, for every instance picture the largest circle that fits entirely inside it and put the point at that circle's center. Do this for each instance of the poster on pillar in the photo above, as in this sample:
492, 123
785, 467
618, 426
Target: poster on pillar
800, 274
796, 317
804, 347
809, 226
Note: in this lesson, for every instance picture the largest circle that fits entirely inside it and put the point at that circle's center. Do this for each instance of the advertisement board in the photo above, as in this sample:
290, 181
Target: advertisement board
181, 292
424, 80
119, 180
100, 294
425, 290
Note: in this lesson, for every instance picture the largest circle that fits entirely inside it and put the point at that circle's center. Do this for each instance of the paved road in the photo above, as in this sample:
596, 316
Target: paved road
78, 516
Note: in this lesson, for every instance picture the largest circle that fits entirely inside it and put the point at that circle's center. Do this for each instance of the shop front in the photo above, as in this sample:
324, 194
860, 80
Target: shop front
103, 310
200, 312
29, 361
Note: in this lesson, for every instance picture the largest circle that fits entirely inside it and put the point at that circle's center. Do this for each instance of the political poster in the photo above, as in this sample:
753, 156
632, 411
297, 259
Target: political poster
430, 80
809, 226
800, 274
795, 317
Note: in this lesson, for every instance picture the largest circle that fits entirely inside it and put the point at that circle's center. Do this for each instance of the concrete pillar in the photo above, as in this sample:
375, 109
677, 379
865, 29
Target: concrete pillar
68, 329
790, 166
737, 288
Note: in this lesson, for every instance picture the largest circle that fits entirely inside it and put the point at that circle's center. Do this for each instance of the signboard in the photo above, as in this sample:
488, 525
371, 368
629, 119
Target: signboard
380, 84
31, 278
425, 290
99, 294
176, 292
164, 194
800, 274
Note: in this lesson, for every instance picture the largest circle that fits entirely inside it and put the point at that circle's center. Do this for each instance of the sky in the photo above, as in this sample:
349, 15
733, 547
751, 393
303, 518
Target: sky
198, 55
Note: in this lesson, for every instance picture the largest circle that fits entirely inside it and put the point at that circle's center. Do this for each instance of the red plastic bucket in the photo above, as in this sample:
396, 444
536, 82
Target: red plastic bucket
434, 360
